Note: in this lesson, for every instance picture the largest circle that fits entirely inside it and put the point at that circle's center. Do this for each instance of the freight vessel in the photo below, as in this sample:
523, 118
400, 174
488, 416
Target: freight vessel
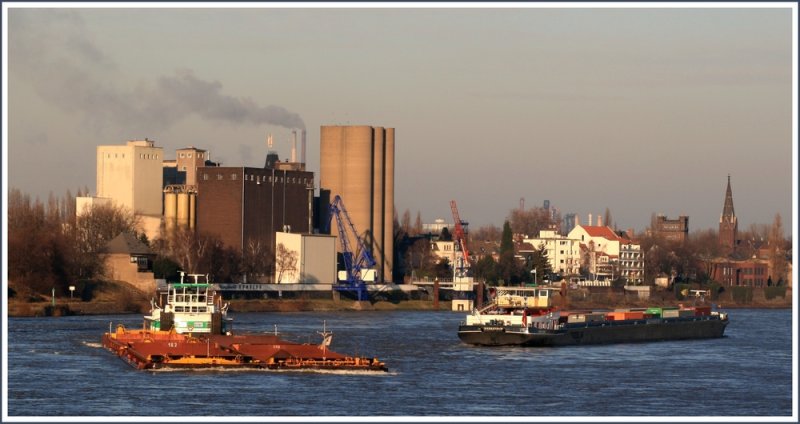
526, 317
192, 330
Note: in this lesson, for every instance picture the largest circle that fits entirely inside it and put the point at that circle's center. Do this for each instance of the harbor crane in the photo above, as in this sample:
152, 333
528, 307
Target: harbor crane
357, 265
461, 241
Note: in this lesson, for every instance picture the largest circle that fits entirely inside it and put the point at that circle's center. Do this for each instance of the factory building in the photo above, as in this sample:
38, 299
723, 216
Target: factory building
130, 176
672, 229
241, 204
357, 163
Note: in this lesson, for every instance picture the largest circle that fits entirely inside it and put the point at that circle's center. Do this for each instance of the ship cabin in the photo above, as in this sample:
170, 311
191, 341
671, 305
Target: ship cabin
530, 298
190, 308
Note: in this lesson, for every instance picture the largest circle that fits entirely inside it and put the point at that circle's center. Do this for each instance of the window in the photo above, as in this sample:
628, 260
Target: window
181, 155
270, 179
205, 177
184, 169
219, 176
233, 177
189, 155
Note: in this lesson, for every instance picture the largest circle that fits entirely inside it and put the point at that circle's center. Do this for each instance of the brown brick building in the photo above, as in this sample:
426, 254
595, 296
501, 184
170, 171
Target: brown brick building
672, 229
731, 272
239, 204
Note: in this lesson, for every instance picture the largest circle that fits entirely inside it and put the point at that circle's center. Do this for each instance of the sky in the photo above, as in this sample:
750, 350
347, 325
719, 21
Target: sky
640, 110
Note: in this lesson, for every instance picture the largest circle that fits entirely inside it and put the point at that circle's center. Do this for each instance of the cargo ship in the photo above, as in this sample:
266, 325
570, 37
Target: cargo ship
526, 317
192, 330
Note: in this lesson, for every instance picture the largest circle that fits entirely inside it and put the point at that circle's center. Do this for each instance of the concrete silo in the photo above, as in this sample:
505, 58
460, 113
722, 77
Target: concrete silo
354, 161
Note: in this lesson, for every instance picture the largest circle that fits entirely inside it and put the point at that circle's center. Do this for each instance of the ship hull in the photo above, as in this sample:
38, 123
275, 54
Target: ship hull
649, 330
161, 349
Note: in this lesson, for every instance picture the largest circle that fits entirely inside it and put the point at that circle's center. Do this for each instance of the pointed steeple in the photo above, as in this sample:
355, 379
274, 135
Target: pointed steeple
728, 227
727, 211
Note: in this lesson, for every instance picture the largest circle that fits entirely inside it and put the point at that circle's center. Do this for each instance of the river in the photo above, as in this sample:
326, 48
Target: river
57, 369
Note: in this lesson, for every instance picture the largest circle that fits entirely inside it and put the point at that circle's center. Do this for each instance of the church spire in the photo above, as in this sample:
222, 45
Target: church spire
728, 227
727, 210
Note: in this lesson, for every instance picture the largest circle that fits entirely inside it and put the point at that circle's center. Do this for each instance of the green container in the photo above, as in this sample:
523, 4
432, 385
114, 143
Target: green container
653, 311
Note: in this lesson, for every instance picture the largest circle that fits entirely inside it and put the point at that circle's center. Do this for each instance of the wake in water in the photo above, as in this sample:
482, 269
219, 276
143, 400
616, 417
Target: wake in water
92, 344
267, 370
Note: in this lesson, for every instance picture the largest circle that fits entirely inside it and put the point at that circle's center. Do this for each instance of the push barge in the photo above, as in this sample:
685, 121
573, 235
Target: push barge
525, 317
192, 330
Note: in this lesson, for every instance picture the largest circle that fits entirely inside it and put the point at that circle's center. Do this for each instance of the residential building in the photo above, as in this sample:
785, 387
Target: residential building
128, 259
602, 249
732, 272
563, 253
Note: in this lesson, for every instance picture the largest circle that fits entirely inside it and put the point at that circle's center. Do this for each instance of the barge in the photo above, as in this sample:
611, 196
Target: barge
192, 330
525, 317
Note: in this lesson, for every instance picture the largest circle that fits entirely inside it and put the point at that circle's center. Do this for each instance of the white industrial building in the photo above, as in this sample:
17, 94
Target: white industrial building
309, 258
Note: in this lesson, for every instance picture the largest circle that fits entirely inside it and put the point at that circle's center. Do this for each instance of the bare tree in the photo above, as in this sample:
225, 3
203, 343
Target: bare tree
256, 259
285, 262
607, 219
418, 224
405, 222
777, 254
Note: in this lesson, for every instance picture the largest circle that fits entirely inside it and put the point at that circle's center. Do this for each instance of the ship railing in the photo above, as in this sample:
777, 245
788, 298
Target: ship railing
487, 307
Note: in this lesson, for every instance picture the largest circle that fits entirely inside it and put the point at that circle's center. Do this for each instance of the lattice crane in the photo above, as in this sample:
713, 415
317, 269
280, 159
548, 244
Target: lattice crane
461, 240
354, 262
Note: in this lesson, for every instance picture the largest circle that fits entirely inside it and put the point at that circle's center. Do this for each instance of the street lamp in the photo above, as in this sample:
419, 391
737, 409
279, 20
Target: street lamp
533, 271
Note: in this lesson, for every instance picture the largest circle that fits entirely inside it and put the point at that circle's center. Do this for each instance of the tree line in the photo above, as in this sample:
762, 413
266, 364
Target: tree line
51, 247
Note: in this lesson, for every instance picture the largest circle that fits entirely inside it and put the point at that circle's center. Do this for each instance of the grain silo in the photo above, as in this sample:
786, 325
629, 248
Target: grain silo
357, 163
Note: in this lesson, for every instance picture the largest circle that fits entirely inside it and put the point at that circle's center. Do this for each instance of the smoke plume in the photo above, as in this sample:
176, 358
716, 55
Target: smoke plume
53, 51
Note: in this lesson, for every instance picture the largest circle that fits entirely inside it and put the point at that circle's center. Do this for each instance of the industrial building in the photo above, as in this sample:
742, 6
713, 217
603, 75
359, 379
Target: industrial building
672, 229
240, 204
357, 164
130, 176
306, 259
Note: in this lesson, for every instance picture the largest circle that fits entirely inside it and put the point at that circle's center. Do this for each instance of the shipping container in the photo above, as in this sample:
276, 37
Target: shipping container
670, 313
702, 311
634, 315
653, 311
683, 313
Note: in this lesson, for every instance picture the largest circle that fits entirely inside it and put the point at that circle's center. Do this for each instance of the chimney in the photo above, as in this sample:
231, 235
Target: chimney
599, 221
589, 222
577, 220
303, 147
294, 146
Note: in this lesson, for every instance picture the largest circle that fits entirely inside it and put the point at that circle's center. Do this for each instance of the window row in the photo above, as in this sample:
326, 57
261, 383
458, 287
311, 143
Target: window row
189, 155
265, 178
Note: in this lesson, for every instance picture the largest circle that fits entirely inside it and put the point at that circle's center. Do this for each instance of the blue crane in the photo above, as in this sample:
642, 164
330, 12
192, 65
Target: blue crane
354, 263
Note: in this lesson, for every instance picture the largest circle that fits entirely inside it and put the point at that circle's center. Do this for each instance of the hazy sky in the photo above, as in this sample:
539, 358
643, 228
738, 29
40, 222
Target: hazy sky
641, 110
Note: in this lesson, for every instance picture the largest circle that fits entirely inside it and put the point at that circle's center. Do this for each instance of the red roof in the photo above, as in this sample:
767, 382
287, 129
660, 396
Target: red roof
605, 232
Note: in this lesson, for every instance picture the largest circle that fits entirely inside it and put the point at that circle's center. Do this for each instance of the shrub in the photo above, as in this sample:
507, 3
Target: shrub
742, 294
775, 292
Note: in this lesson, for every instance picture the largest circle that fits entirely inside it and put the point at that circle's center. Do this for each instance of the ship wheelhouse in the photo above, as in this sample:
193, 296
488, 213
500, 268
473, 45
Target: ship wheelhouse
190, 308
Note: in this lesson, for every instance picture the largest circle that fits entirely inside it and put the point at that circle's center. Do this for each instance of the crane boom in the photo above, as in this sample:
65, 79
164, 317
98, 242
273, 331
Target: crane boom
354, 262
461, 238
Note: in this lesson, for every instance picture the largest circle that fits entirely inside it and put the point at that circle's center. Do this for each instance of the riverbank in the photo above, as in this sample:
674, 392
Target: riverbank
17, 308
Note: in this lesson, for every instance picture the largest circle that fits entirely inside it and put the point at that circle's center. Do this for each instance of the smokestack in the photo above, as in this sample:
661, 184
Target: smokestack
303, 147
599, 221
294, 146
577, 220
589, 222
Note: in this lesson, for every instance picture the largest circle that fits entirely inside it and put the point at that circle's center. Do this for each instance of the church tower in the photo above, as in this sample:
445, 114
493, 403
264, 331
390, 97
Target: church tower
728, 225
